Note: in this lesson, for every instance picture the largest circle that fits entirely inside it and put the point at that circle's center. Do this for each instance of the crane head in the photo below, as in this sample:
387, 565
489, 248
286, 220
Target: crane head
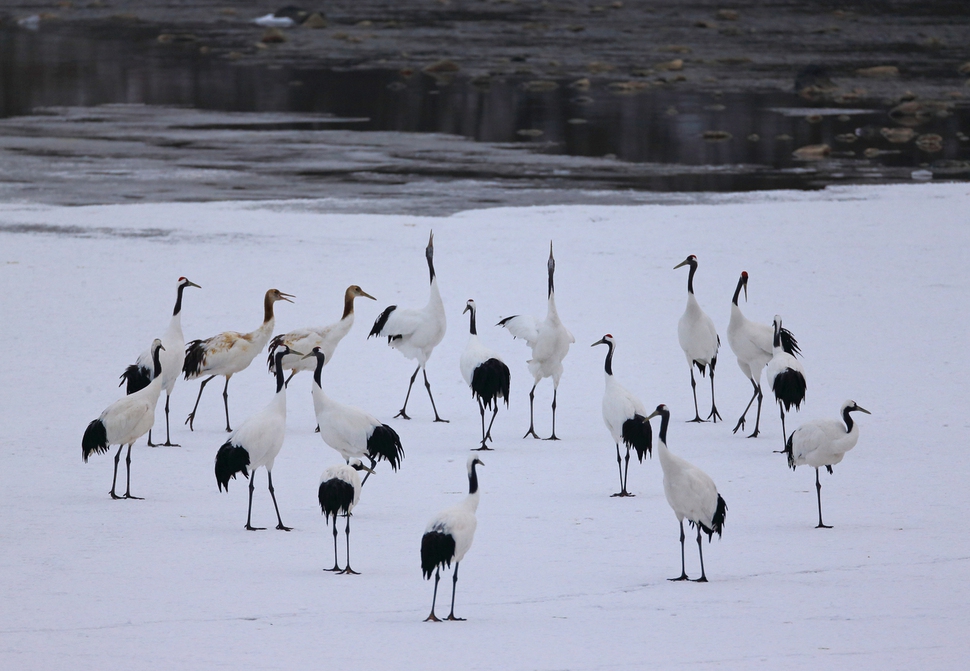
661, 409
689, 261
316, 353
605, 340
354, 291
472, 461
277, 295
469, 305
358, 465
186, 282
744, 283
852, 406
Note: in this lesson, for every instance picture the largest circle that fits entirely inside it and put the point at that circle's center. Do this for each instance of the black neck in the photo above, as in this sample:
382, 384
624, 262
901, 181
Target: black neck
777, 340
551, 287
430, 256
473, 480
279, 369
609, 358
737, 292
321, 358
178, 301
157, 362
690, 278
848, 419
348, 305
473, 330
664, 421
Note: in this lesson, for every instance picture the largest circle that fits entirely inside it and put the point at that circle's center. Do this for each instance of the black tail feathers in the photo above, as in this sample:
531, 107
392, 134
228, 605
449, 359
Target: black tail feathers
230, 459
638, 435
95, 440
137, 378
385, 444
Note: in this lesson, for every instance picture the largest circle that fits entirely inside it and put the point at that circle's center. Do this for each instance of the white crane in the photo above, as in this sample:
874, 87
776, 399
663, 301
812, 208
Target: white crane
691, 494
448, 537
787, 378
699, 340
139, 374
338, 494
751, 343
256, 443
415, 332
325, 337
228, 353
823, 442
485, 373
625, 417
125, 421
549, 341
351, 431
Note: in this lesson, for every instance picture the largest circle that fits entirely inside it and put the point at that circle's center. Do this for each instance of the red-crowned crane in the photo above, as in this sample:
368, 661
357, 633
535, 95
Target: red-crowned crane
338, 494
699, 340
751, 343
625, 417
325, 337
549, 341
228, 353
823, 442
257, 443
691, 494
448, 537
139, 374
415, 332
485, 373
125, 421
351, 431
787, 378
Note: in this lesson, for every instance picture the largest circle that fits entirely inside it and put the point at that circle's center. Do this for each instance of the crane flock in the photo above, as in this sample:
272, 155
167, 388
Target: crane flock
356, 435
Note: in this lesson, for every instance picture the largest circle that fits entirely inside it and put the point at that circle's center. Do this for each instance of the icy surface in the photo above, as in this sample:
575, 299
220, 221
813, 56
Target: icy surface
872, 281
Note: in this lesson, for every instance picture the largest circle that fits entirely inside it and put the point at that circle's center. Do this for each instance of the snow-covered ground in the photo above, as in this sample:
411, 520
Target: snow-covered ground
872, 281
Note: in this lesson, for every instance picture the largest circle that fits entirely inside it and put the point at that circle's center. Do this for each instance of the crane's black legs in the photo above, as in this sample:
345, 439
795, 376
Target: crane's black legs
784, 434
488, 433
249, 515
292, 373
437, 577
336, 566
683, 570
481, 409
532, 426
715, 415
373, 464
402, 414
347, 570
454, 586
168, 434
190, 420
700, 551
225, 401
128, 476
115, 478
818, 491
693, 388
272, 492
623, 475
553, 436
756, 395
427, 385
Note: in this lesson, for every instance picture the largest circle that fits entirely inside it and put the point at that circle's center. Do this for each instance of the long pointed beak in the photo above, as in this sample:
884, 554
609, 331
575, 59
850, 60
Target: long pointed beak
861, 409
550, 249
431, 241
652, 415
287, 297
601, 341
367, 295
366, 468
161, 347
306, 356
190, 283
745, 287
682, 263
299, 354
467, 308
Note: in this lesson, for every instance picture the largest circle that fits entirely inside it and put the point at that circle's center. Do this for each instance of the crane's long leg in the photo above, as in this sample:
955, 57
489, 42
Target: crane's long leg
619, 467
272, 492
402, 414
454, 586
168, 434
225, 401
740, 424
818, 492
715, 415
115, 478
757, 421
481, 409
249, 515
128, 475
190, 420
553, 436
348, 569
336, 566
700, 551
437, 577
693, 388
427, 385
683, 570
488, 433
532, 426
292, 373
373, 464
784, 434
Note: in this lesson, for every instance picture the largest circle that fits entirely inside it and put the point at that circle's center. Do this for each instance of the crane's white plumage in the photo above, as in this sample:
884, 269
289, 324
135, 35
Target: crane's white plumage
449, 536
824, 442
416, 332
485, 373
699, 340
751, 343
338, 494
325, 337
786, 376
624, 416
256, 443
139, 374
691, 494
549, 341
351, 431
125, 421
229, 352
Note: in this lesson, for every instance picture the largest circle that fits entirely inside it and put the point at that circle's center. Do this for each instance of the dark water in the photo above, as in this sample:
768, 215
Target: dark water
756, 133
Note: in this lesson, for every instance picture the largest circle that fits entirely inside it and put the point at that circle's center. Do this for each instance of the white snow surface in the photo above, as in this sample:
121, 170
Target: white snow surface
873, 282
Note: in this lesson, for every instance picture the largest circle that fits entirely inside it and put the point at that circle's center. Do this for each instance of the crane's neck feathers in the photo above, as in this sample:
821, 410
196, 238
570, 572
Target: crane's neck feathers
848, 419
609, 357
664, 421
157, 363
348, 305
321, 359
178, 300
472, 329
473, 480
280, 381
690, 277
737, 291
268, 301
